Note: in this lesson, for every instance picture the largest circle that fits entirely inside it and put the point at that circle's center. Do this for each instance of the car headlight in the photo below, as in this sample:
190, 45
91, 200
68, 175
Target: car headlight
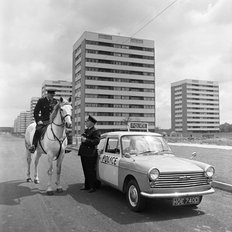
153, 174
209, 172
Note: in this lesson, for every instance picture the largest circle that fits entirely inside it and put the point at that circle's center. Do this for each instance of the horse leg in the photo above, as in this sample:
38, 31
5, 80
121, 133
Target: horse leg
50, 171
58, 169
36, 176
28, 155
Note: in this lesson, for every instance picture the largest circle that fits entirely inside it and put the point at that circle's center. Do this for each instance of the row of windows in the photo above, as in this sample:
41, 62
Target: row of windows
205, 113
196, 122
108, 114
198, 127
114, 62
200, 99
201, 90
207, 86
119, 88
197, 94
126, 55
104, 96
119, 106
202, 127
123, 46
91, 69
196, 108
203, 118
119, 80
203, 104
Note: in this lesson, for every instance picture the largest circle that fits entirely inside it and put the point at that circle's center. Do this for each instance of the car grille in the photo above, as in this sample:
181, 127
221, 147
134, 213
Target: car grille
180, 180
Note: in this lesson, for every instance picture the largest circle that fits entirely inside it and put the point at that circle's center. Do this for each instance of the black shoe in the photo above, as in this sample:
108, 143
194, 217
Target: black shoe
67, 151
84, 188
32, 149
92, 190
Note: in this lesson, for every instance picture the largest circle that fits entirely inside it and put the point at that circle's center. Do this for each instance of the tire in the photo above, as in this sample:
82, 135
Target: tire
134, 199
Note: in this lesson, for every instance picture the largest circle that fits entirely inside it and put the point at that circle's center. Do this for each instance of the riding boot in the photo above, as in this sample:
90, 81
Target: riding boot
35, 141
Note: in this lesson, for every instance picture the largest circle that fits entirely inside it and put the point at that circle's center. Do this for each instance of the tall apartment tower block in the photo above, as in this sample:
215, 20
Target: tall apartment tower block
195, 106
22, 122
113, 80
63, 88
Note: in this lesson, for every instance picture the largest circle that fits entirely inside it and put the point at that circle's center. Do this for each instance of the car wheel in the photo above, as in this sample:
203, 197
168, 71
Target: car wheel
134, 199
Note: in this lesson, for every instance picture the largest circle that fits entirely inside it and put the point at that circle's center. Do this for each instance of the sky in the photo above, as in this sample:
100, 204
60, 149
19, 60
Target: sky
192, 41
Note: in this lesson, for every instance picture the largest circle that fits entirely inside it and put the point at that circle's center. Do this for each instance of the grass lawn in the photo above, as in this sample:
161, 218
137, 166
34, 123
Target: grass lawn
221, 159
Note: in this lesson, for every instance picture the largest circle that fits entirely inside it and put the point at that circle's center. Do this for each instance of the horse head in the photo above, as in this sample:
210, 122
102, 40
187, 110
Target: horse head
66, 111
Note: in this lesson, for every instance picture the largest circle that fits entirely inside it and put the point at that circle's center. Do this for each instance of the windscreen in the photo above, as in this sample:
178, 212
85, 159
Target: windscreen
144, 144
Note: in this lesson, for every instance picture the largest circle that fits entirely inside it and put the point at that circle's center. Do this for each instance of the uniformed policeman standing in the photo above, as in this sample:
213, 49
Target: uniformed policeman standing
88, 153
42, 111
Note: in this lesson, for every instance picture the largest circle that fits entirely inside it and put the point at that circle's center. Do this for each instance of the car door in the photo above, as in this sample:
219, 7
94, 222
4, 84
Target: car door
109, 161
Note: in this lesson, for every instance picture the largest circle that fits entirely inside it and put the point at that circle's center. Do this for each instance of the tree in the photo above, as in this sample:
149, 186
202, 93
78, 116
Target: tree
226, 127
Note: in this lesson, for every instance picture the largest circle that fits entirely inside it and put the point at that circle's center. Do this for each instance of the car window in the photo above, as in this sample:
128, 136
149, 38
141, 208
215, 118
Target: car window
113, 146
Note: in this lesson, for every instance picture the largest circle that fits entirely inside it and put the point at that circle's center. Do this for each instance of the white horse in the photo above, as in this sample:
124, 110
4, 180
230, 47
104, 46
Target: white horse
53, 143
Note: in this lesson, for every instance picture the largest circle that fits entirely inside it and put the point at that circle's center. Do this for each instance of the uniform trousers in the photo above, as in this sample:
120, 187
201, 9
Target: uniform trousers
38, 132
89, 169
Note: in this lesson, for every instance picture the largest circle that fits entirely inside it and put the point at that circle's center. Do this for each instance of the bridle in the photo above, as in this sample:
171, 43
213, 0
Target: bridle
61, 125
62, 118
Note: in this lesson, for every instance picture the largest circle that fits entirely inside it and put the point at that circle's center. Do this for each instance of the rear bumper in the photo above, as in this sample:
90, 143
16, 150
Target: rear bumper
177, 194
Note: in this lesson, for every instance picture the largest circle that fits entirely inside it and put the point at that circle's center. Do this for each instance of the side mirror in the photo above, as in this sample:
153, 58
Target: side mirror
127, 155
194, 155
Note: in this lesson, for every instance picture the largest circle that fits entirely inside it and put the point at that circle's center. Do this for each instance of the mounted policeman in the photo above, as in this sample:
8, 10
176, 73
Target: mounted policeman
42, 111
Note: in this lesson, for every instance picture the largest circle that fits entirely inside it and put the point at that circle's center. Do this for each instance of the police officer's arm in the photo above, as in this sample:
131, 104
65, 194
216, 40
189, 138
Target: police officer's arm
95, 139
37, 111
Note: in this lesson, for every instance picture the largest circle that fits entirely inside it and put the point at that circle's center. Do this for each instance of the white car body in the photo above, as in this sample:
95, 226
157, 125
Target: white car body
150, 170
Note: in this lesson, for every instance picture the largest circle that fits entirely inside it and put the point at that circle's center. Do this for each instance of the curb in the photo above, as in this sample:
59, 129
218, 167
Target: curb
222, 186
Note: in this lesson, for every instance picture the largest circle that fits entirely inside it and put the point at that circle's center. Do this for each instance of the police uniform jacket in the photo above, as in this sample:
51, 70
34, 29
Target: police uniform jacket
43, 109
89, 147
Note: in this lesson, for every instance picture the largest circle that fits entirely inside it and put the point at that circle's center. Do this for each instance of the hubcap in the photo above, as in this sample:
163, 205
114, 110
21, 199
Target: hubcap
133, 196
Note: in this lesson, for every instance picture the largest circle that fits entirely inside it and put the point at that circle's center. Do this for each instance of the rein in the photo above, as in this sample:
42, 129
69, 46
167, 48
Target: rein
62, 118
54, 135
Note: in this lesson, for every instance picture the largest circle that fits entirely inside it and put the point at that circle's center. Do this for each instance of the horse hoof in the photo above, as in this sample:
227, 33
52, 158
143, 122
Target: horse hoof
50, 193
36, 181
59, 190
29, 180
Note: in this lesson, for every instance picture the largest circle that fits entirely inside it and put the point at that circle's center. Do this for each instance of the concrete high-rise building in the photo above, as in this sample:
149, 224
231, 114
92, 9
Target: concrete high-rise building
114, 81
195, 106
63, 88
22, 122
34, 101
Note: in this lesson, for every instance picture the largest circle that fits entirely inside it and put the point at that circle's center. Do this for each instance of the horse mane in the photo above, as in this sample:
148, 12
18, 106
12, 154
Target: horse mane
54, 112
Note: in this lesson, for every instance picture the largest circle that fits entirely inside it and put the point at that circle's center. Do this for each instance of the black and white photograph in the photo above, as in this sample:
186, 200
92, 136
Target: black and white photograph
115, 115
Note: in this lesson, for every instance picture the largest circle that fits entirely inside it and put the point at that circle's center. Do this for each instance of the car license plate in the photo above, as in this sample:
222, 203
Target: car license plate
185, 201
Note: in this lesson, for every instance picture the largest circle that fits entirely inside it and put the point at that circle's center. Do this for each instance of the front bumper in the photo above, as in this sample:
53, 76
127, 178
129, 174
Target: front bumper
177, 194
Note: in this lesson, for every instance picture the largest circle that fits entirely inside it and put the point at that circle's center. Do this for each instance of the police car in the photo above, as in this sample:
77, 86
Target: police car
142, 165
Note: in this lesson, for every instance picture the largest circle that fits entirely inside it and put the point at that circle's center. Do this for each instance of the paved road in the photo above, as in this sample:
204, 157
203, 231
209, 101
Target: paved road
25, 206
